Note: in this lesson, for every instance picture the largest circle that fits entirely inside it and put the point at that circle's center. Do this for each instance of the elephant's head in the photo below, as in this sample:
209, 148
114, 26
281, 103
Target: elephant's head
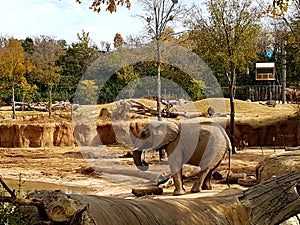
155, 135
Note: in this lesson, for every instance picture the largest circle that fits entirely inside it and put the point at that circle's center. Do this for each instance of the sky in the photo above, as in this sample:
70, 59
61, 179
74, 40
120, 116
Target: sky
63, 19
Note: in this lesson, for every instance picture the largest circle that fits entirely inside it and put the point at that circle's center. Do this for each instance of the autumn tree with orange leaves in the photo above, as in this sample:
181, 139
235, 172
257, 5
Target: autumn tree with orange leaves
13, 67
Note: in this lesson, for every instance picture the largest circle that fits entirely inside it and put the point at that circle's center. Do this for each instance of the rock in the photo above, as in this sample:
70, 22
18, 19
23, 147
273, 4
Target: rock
105, 113
190, 171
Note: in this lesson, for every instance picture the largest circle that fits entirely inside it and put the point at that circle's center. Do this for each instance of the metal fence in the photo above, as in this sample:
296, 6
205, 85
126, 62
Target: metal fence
264, 92
252, 92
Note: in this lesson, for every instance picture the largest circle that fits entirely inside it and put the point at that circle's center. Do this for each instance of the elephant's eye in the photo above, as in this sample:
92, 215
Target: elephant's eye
143, 134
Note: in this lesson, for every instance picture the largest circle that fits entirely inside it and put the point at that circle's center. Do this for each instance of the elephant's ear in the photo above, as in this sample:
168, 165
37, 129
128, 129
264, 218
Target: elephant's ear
165, 133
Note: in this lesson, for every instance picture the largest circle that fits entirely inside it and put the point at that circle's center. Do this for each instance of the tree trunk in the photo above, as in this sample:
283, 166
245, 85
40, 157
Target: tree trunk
50, 102
268, 203
158, 101
284, 73
273, 201
278, 164
253, 206
14, 103
232, 106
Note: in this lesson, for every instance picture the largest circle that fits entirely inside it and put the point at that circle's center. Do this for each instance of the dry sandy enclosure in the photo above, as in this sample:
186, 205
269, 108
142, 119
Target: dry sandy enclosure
60, 168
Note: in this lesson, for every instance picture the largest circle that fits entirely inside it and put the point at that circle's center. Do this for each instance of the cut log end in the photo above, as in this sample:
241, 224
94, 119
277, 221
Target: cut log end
150, 190
62, 210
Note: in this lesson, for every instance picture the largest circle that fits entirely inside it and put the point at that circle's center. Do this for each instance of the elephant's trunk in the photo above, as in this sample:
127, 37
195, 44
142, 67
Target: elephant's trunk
137, 158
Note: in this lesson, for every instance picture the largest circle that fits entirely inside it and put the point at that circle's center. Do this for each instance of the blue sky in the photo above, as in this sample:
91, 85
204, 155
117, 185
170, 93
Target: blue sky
63, 19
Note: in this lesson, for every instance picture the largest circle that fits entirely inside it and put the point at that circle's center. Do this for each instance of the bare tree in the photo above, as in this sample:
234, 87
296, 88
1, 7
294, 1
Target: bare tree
46, 53
158, 14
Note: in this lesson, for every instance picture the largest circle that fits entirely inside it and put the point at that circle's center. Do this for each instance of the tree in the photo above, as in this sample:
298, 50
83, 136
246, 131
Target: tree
225, 39
13, 66
278, 8
27, 90
118, 40
157, 15
45, 55
87, 91
285, 14
79, 56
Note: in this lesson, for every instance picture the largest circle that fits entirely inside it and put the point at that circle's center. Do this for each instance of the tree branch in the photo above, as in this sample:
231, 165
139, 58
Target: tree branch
4, 185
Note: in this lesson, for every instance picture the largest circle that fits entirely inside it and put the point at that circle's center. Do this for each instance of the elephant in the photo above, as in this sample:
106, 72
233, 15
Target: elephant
202, 144
292, 95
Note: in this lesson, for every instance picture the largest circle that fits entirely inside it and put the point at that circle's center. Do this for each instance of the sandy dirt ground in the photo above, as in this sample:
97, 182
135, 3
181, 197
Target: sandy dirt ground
66, 169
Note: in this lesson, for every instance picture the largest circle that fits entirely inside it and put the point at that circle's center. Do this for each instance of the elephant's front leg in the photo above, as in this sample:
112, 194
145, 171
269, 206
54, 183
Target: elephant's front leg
175, 163
178, 183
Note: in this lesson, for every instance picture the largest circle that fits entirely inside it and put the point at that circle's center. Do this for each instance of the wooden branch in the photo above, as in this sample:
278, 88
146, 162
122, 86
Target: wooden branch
144, 110
4, 185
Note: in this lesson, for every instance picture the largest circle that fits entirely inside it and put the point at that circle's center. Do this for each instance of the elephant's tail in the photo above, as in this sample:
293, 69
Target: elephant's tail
229, 152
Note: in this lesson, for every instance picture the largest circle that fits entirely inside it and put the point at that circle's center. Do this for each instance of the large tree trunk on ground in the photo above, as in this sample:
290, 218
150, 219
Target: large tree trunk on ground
278, 164
231, 207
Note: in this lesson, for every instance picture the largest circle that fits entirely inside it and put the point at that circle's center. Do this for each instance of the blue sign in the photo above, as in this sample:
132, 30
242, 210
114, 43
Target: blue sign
270, 53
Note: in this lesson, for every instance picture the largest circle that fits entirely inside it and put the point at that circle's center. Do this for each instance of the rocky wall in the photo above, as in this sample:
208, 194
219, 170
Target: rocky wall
36, 135
284, 133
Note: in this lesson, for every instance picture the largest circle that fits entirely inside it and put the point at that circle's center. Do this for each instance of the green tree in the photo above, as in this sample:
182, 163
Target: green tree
79, 56
45, 55
225, 39
286, 14
87, 92
27, 90
13, 66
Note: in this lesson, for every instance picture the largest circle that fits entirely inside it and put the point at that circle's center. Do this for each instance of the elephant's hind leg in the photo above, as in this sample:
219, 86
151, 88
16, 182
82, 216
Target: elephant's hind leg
199, 182
207, 181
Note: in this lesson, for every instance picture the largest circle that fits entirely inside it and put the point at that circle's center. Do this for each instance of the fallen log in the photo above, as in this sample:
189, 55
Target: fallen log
267, 203
255, 205
151, 190
278, 164
292, 148
235, 177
